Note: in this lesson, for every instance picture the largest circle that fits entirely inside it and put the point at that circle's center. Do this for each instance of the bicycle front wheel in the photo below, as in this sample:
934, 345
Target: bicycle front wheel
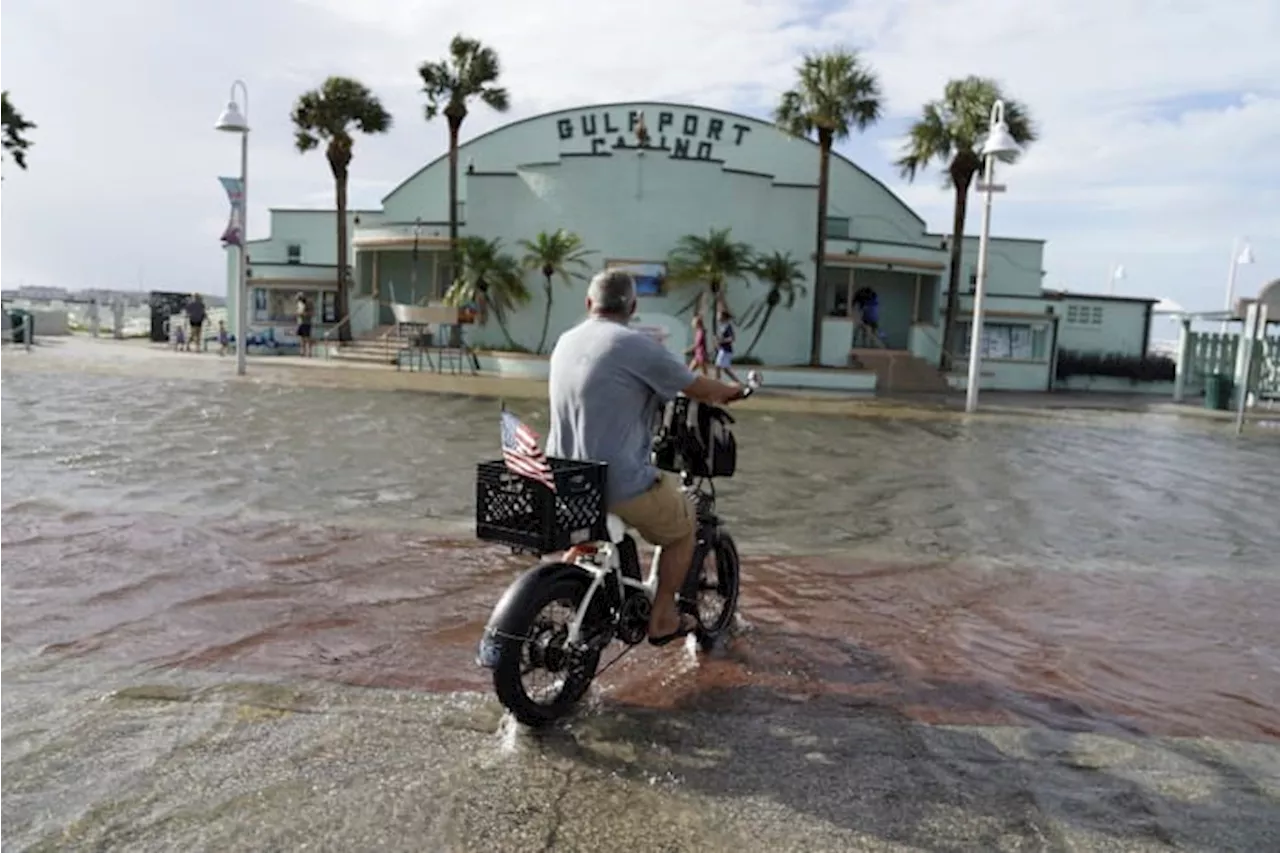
714, 583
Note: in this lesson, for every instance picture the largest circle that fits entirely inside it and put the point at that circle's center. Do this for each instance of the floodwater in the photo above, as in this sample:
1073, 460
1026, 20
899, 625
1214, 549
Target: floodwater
242, 616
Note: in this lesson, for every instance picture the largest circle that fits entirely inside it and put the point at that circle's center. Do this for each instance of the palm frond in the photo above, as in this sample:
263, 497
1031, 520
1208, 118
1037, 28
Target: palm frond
15, 127
956, 125
334, 110
487, 273
560, 251
471, 71
835, 92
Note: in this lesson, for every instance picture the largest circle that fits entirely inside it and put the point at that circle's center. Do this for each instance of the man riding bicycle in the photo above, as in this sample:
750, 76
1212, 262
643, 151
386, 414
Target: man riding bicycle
607, 385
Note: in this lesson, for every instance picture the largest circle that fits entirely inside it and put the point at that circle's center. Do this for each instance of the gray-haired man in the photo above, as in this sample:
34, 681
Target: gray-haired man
607, 385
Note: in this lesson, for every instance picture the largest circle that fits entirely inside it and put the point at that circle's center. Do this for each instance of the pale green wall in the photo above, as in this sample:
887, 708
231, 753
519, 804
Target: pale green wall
763, 149
314, 230
1009, 374
1005, 376
633, 207
1013, 266
1122, 330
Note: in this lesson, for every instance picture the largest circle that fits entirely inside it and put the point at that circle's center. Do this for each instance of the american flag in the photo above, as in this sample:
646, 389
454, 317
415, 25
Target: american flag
520, 450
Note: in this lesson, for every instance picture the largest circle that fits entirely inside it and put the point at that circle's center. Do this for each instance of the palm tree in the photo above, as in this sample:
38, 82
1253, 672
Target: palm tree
710, 261
470, 71
490, 278
785, 279
14, 126
328, 115
835, 94
559, 254
950, 132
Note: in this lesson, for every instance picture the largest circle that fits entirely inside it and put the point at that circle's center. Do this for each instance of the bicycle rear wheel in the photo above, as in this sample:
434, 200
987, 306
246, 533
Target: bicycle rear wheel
544, 651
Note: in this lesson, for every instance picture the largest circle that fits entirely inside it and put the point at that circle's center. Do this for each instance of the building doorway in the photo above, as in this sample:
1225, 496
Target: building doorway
905, 297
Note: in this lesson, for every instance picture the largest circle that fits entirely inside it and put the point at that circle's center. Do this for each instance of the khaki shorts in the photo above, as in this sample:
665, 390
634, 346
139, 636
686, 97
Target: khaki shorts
662, 515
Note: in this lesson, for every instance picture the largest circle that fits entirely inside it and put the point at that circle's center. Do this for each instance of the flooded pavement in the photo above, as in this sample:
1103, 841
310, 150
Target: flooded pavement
241, 616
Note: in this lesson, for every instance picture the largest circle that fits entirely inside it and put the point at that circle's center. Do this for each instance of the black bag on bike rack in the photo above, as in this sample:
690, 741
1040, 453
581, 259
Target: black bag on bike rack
696, 438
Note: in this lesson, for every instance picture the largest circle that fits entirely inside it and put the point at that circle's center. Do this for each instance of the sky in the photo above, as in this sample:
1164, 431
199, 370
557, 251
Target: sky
1159, 120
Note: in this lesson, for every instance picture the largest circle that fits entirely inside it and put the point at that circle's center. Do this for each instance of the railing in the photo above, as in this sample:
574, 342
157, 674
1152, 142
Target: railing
327, 337
952, 357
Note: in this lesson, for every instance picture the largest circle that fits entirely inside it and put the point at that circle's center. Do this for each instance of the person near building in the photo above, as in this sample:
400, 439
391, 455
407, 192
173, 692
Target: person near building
305, 312
195, 319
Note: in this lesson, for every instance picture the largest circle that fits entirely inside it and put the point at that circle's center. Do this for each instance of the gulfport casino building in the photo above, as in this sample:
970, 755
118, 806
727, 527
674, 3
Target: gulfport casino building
586, 170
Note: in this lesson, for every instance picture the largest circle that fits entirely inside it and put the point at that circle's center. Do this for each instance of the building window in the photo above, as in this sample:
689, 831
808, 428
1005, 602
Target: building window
1007, 341
294, 253
837, 227
1084, 315
650, 276
279, 305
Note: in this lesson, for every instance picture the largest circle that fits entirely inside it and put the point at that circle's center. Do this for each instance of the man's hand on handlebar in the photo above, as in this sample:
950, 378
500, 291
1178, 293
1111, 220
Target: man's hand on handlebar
713, 391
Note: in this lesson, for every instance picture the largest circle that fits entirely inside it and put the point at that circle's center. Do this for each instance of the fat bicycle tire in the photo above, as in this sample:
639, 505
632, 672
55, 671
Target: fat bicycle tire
507, 680
727, 582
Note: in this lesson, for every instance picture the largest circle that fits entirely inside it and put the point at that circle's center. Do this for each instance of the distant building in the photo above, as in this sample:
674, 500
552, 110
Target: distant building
631, 180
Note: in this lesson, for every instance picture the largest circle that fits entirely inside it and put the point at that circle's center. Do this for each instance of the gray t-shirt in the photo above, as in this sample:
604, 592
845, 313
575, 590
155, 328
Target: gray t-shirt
607, 386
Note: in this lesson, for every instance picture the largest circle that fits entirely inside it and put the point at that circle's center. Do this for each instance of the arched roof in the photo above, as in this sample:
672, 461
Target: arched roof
740, 116
1270, 297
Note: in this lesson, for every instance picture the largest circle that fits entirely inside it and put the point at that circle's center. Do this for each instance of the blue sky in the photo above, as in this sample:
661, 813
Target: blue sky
1152, 155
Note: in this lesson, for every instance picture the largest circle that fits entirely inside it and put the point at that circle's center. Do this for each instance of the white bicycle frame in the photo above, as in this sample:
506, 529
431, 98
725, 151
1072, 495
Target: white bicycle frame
605, 561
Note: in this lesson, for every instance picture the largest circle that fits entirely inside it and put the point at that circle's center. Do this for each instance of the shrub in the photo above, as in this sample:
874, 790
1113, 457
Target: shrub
1151, 368
749, 360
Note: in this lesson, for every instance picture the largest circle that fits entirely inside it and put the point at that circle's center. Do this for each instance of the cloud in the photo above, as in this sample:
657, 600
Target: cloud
1158, 120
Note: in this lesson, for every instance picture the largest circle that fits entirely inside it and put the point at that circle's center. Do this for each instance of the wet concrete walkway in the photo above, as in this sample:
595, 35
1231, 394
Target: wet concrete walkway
240, 766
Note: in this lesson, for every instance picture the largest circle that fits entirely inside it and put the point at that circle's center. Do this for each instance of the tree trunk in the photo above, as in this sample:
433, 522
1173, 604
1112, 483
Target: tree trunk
455, 126
824, 173
764, 321
961, 177
546, 318
340, 191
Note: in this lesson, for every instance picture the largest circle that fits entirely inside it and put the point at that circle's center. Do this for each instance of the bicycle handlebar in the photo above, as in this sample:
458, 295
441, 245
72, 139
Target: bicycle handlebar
754, 381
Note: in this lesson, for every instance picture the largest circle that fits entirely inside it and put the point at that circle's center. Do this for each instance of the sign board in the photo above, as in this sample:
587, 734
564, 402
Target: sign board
650, 276
683, 134
424, 315
672, 332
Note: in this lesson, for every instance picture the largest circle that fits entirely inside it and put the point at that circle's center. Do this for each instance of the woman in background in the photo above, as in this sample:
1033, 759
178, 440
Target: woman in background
699, 348
724, 347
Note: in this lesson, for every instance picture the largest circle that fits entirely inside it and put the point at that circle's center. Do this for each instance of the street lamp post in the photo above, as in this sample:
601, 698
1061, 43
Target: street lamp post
235, 120
1240, 254
999, 142
1117, 274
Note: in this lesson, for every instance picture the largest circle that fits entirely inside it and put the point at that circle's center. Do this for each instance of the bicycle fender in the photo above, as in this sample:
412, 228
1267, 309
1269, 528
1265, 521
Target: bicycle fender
511, 614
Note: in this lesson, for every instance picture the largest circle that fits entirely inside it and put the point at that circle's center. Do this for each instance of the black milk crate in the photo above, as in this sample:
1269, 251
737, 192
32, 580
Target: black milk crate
517, 511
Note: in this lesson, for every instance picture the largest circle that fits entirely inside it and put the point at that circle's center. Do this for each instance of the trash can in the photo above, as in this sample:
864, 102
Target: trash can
1217, 392
18, 325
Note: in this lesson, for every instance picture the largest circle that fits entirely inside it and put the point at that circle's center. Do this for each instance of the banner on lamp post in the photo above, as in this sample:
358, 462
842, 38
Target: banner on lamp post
233, 234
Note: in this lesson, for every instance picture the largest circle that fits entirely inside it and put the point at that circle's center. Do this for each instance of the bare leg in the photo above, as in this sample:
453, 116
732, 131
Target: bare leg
673, 565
